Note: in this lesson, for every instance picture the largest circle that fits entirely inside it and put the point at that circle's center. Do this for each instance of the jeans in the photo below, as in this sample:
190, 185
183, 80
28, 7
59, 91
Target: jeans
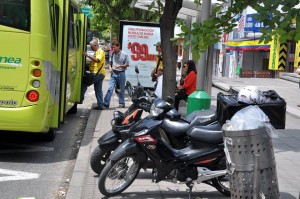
114, 78
97, 87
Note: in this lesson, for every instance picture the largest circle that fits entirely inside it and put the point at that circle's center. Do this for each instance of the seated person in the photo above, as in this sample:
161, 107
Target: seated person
189, 83
184, 70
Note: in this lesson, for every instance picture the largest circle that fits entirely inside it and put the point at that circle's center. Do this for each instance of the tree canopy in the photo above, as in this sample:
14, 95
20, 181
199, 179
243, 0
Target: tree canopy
278, 17
108, 13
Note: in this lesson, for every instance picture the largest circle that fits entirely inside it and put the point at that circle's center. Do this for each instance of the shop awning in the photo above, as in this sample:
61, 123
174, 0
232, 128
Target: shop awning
243, 45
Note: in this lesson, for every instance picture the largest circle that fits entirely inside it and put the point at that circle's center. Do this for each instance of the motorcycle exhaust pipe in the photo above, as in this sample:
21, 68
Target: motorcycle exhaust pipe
206, 174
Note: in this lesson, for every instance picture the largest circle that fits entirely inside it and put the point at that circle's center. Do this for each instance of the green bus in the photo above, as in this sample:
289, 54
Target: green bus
41, 63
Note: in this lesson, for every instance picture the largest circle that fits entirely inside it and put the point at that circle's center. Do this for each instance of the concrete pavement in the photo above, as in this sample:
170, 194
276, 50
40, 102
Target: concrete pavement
84, 182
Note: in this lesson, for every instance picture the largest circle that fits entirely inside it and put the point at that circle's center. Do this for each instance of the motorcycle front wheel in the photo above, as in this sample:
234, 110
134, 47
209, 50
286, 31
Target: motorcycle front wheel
117, 177
99, 157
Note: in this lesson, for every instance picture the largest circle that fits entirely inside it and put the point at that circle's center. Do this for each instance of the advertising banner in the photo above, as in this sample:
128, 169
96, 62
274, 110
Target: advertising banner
297, 55
278, 54
137, 40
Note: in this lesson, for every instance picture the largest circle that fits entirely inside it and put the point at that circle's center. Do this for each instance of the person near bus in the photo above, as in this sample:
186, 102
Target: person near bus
97, 67
119, 63
158, 70
189, 83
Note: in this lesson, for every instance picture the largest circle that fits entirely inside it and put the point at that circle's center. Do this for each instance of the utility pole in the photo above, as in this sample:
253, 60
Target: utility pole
199, 99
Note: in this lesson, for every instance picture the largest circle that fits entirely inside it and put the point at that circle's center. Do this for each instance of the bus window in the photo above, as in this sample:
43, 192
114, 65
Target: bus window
54, 17
15, 14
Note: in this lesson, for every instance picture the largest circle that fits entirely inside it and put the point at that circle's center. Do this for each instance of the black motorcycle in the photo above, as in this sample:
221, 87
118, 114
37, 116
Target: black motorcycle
202, 160
120, 123
173, 131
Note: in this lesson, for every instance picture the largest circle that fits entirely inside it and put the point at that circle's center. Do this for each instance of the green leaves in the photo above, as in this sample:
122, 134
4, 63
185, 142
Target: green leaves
277, 22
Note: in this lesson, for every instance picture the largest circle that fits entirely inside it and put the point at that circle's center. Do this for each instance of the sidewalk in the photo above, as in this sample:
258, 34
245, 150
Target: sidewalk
84, 182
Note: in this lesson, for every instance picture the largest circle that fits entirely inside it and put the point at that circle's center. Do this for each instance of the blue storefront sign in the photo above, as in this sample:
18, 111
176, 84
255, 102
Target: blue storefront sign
252, 24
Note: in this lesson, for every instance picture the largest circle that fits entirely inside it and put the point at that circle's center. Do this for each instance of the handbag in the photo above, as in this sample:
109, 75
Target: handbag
181, 94
153, 73
88, 77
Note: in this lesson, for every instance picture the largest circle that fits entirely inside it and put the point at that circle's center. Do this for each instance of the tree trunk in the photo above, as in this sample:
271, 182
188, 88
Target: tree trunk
167, 25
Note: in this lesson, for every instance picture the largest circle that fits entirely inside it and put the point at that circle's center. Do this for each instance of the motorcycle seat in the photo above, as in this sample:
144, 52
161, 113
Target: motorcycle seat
196, 118
211, 134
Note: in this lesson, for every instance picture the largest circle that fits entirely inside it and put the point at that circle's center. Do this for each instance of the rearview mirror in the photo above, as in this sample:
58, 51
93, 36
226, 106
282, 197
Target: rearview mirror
137, 70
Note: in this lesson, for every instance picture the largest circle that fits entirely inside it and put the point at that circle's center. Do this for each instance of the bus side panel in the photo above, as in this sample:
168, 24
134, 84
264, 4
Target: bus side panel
41, 50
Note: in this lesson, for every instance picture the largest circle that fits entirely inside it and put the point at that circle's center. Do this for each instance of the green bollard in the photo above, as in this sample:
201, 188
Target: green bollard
198, 100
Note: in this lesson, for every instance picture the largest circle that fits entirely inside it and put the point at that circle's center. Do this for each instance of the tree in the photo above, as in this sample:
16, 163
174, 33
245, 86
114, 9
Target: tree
167, 26
275, 22
207, 33
108, 13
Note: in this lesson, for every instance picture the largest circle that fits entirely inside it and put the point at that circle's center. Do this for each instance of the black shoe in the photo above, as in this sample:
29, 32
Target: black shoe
105, 106
99, 108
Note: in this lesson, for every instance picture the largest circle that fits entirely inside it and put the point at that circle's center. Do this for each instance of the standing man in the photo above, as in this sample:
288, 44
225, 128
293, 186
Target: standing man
158, 70
119, 63
96, 67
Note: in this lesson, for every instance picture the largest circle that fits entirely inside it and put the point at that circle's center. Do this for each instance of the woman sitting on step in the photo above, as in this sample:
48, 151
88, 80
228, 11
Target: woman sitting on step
189, 83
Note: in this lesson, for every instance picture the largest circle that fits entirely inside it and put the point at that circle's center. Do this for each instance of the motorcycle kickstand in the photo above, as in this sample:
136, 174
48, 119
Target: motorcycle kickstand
189, 183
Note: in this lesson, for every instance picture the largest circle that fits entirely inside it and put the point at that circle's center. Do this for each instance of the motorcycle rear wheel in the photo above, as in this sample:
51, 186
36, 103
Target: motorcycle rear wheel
222, 183
99, 157
117, 177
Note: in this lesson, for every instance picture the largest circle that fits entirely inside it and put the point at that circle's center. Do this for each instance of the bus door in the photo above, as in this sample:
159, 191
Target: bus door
79, 22
56, 57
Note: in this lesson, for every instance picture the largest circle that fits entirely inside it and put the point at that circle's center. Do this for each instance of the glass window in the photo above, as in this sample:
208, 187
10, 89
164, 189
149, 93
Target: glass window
54, 17
15, 13
71, 28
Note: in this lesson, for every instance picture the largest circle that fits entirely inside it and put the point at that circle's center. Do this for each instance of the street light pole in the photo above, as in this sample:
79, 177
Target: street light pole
201, 70
199, 99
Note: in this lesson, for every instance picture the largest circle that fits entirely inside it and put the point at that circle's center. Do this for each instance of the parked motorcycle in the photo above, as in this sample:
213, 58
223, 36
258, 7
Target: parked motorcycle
174, 131
120, 123
202, 160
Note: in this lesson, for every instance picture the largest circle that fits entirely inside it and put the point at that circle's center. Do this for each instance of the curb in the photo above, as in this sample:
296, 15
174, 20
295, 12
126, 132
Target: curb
82, 160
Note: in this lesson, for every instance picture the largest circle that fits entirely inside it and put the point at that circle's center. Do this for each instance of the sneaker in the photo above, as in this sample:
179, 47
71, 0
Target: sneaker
99, 108
121, 106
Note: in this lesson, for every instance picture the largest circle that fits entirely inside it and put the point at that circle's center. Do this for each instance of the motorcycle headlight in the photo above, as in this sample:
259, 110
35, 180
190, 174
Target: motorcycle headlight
140, 133
154, 111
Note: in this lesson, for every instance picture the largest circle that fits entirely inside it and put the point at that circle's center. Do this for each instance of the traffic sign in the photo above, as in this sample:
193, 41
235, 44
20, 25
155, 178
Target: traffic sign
90, 15
85, 10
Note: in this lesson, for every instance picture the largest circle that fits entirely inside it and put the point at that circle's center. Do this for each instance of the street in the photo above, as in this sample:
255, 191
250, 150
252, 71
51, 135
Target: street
31, 168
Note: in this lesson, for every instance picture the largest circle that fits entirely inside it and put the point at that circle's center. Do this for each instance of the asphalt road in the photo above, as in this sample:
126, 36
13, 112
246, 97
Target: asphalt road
31, 168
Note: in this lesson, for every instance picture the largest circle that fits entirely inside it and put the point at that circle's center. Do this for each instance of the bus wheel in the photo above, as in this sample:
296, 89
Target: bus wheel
50, 136
73, 110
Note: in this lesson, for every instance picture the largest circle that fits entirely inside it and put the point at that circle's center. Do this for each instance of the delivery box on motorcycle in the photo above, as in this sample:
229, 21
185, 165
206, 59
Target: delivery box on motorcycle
274, 107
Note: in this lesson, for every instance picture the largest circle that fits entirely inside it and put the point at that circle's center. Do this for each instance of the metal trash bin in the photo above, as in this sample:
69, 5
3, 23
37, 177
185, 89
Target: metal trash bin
241, 147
